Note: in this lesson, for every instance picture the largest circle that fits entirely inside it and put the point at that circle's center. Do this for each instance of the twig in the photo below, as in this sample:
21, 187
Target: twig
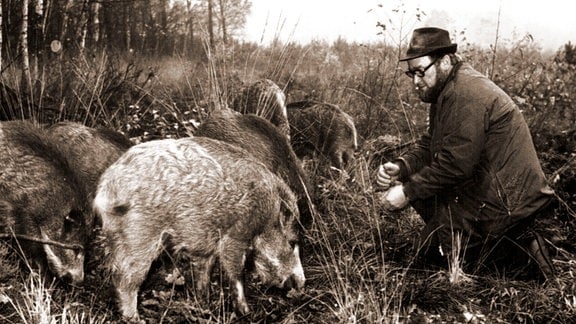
496, 42
42, 241
561, 170
565, 204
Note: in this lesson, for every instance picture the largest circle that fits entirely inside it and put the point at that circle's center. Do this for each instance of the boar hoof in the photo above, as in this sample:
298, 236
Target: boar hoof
242, 307
133, 320
241, 304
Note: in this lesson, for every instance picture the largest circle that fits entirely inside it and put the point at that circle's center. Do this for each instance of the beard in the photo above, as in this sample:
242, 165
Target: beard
430, 94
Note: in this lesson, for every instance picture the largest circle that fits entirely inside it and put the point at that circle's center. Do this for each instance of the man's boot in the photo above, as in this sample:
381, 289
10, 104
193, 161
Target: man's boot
537, 250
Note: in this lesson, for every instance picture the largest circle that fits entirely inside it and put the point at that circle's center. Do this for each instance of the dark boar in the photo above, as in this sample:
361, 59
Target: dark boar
267, 144
89, 150
323, 129
264, 98
203, 197
40, 197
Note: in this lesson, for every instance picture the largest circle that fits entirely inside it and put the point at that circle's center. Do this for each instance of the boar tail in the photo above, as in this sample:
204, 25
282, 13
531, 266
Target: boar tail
108, 210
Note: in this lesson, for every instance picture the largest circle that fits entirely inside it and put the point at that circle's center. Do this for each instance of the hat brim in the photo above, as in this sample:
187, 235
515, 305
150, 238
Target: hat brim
429, 51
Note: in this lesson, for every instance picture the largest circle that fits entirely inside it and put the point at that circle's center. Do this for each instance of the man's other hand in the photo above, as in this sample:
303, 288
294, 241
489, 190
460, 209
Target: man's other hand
387, 175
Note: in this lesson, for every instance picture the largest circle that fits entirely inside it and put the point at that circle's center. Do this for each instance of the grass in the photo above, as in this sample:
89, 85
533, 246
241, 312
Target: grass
357, 261
358, 258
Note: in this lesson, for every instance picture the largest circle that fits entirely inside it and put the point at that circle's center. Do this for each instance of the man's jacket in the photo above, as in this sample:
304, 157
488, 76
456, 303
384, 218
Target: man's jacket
479, 147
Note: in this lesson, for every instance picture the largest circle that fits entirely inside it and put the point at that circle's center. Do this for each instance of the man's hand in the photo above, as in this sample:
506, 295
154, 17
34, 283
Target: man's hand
387, 175
395, 198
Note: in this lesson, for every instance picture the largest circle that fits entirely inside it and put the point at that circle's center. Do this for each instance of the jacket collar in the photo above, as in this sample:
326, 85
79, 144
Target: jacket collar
452, 76
455, 70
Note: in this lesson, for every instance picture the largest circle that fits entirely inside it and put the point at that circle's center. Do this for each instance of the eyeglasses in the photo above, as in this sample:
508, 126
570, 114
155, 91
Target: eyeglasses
418, 72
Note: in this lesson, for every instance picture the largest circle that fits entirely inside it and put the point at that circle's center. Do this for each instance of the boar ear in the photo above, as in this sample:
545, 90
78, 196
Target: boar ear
286, 213
7, 220
288, 208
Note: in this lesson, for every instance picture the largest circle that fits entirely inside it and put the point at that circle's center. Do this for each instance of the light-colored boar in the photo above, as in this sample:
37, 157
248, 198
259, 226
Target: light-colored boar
199, 196
266, 143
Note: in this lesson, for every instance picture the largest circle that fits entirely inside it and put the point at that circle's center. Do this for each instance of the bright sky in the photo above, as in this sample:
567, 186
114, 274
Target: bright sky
550, 22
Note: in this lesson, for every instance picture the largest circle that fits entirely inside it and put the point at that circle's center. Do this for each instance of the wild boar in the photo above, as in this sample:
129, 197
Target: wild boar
202, 197
264, 98
268, 145
319, 128
88, 150
41, 198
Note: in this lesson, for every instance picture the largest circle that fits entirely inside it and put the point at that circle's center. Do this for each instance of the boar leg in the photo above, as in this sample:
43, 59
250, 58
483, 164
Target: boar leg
128, 300
337, 159
202, 268
232, 258
129, 269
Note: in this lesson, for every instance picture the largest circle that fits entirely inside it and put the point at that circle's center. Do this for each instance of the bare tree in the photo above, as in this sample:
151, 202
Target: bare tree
146, 25
126, 24
93, 22
232, 16
236, 14
155, 27
64, 22
84, 24
190, 23
25, 59
163, 27
210, 23
1, 37
223, 21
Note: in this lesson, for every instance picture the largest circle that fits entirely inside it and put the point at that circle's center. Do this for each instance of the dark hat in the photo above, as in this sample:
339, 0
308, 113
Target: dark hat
427, 41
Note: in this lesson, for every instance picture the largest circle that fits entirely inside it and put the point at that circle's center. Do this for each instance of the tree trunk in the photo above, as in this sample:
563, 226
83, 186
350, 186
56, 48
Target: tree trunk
93, 22
1, 30
64, 26
84, 22
127, 24
161, 40
26, 83
36, 37
146, 24
223, 21
210, 24
189, 38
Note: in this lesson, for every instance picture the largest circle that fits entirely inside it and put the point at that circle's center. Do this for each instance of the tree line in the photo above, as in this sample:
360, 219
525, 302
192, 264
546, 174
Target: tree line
34, 31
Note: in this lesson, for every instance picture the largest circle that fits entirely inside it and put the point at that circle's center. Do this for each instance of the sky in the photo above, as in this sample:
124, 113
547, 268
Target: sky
551, 23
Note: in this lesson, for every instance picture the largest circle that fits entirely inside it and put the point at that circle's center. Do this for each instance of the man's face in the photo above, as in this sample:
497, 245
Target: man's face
428, 77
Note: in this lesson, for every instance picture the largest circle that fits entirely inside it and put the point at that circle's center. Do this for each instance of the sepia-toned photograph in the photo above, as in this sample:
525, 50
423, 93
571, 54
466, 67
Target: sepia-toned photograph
306, 161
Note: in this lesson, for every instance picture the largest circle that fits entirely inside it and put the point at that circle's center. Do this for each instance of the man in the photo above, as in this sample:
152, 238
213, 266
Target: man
475, 172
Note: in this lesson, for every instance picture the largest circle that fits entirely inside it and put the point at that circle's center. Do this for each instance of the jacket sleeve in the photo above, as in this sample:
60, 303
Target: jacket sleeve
461, 123
415, 159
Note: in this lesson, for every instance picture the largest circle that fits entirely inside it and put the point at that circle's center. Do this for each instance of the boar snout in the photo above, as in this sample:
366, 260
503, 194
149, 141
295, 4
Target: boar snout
69, 266
296, 279
73, 278
294, 282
